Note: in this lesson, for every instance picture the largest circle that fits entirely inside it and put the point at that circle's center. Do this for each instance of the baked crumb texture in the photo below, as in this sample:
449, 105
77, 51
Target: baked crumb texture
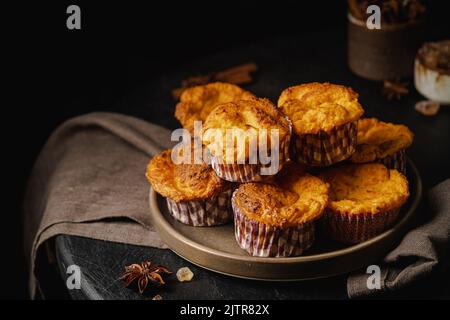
319, 107
382, 142
324, 118
277, 218
230, 161
364, 201
195, 195
197, 102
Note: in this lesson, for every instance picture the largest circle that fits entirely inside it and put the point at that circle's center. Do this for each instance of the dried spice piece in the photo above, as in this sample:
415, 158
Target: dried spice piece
157, 297
184, 274
427, 107
238, 75
392, 11
144, 272
392, 89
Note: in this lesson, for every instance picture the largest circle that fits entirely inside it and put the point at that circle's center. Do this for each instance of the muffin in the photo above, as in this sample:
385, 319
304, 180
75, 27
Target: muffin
248, 140
277, 218
195, 195
364, 201
382, 142
324, 118
197, 102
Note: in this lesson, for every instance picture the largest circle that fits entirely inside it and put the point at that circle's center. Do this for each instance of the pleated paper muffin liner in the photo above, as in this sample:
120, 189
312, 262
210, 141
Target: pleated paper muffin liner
326, 148
237, 172
355, 228
395, 161
262, 240
249, 172
203, 213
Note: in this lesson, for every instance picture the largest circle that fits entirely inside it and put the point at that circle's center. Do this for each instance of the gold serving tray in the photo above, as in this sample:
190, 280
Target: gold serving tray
215, 248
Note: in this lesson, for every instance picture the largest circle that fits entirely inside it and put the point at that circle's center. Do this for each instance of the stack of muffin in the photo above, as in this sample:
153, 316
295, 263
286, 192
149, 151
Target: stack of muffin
335, 171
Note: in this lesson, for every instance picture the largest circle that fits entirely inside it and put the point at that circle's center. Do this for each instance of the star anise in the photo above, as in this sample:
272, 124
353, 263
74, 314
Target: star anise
144, 272
393, 89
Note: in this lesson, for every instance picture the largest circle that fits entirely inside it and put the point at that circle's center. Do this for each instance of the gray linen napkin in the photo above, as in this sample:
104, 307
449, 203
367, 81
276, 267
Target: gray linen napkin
89, 180
420, 252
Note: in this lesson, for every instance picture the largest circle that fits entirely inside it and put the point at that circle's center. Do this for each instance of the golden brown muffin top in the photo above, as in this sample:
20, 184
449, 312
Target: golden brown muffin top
243, 116
365, 188
377, 140
315, 107
183, 182
197, 102
292, 198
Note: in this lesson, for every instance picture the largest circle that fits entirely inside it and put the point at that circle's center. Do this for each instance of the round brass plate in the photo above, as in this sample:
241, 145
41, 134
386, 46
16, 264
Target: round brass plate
215, 248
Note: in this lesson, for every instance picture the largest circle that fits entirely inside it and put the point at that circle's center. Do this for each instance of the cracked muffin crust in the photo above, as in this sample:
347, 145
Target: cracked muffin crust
197, 102
377, 140
366, 188
183, 182
243, 115
194, 194
292, 198
316, 107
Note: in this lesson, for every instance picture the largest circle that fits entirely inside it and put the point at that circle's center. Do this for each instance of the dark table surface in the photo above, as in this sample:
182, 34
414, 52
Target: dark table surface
283, 62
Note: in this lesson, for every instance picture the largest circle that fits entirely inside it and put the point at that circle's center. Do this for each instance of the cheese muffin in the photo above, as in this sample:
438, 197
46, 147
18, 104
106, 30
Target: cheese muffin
240, 134
197, 102
364, 201
277, 218
382, 142
195, 195
324, 118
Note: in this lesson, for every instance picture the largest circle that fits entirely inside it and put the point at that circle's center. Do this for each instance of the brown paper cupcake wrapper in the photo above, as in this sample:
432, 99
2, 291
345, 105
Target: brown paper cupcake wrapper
237, 172
326, 148
203, 213
262, 240
396, 161
355, 228
248, 172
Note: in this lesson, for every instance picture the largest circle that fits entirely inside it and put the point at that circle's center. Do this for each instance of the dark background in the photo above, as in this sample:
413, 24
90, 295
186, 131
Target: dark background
59, 73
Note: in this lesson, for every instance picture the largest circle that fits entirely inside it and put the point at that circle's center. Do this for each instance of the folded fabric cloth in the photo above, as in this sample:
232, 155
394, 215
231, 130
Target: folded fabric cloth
89, 180
421, 251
